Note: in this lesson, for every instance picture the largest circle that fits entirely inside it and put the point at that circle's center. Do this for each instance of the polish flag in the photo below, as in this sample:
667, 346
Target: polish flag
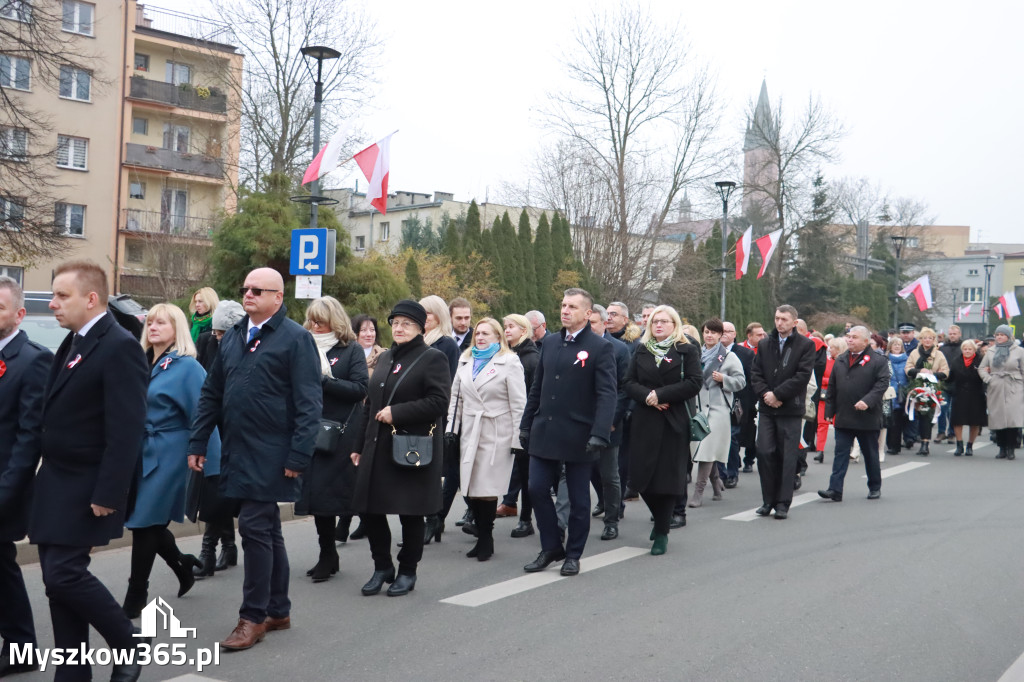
743, 252
998, 310
766, 245
375, 162
963, 312
921, 288
328, 159
1009, 302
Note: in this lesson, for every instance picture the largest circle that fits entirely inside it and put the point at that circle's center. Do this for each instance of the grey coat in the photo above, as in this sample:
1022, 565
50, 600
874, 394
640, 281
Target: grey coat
717, 406
1005, 389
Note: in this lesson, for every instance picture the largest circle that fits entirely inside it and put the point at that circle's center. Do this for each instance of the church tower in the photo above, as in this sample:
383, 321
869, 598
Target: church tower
759, 172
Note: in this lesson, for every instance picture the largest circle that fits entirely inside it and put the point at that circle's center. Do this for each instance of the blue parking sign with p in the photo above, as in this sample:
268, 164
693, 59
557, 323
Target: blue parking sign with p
309, 252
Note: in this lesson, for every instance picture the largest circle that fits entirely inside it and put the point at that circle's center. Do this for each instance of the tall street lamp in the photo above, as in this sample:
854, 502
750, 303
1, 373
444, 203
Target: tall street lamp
955, 311
725, 188
897, 243
989, 266
320, 54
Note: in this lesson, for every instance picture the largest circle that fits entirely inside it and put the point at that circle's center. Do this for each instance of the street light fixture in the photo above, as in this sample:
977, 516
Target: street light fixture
321, 54
897, 242
989, 267
725, 188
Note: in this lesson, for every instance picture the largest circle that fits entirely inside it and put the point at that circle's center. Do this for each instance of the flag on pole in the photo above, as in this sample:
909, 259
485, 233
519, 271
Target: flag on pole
375, 162
998, 310
743, 252
328, 159
963, 312
921, 288
766, 245
1009, 303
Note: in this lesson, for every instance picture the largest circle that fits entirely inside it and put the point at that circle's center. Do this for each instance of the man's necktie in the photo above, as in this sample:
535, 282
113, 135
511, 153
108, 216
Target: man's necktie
252, 334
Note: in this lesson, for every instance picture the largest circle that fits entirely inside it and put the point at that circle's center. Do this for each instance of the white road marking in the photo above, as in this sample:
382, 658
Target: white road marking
530, 581
1015, 673
810, 497
977, 446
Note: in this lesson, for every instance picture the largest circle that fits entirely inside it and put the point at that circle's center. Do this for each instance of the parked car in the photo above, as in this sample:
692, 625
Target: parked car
41, 326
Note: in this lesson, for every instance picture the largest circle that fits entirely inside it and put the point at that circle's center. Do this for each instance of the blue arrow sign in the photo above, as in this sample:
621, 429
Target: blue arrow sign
309, 252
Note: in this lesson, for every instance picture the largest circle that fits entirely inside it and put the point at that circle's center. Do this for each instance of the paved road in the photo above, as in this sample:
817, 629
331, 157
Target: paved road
924, 584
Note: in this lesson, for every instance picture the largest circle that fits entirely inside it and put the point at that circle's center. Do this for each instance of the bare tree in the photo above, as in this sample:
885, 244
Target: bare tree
277, 91
37, 55
172, 266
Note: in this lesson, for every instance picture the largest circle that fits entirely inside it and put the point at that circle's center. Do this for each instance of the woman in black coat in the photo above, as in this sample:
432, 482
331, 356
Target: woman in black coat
327, 483
409, 394
969, 408
664, 375
518, 331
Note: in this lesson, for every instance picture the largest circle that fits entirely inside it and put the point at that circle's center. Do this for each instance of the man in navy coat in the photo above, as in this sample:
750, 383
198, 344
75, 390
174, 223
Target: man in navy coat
94, 418
568, 419
24, 367
264, 390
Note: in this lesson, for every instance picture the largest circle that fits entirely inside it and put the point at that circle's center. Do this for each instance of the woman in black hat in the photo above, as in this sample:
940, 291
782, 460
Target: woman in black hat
408, 394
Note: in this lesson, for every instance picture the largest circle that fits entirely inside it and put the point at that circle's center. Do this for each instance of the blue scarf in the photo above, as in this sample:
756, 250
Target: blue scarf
482, 357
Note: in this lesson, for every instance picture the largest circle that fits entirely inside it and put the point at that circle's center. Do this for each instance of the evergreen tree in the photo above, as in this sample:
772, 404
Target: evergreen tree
561, 243
412, 277
471, 238
544, 263
451, 247
529, 281
513, 266
812, 285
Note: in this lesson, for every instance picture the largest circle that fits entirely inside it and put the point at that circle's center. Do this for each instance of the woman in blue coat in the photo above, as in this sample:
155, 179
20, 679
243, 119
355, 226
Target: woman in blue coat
898, 380
175, 381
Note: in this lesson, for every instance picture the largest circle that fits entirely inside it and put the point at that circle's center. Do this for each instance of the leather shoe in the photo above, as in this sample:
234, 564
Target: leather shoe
830, 495
278, 623
505, 511
403, 585
543, 560
598, 510
820, 457
376, 582
611, 531
747, 469
524, 529
730, 483
630, 495
245, 635
797, 483
465, 517
571, 567
874, 494
678, 521
782, 512
763, 510
119, 673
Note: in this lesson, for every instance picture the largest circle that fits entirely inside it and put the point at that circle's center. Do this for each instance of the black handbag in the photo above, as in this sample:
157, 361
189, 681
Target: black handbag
328, 438
409, 450
699, 426
736, 412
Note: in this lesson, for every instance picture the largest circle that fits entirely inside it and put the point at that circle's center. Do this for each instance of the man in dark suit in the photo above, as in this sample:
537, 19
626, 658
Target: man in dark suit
94, 418
461, 313
854, 398
730, 472
780, 373
567, 420
264, 390
24, 368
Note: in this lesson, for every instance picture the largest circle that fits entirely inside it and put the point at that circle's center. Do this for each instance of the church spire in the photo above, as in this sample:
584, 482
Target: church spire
762, 119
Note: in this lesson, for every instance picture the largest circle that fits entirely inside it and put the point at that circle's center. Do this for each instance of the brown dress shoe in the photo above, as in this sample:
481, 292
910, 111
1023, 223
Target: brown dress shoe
245, 635
278, 623
505, 511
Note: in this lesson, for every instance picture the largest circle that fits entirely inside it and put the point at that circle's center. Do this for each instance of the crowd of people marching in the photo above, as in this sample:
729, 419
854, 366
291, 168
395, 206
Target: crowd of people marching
227, 412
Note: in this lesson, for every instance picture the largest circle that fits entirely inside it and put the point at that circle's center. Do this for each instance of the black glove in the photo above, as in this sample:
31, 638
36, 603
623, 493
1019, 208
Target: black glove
595, 444
524, 438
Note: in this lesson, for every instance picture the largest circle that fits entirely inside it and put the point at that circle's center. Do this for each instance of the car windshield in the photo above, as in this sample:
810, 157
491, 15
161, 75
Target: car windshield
44, 330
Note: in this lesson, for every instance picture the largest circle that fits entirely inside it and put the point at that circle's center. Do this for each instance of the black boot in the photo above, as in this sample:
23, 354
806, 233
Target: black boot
969, 452
959, 448
924, 449
183, 567
341, 532
471, 509
1010, 454
228, 550
327, 565
433, 529
208, 554
359, 533
1002, 452
485, 512
136, 598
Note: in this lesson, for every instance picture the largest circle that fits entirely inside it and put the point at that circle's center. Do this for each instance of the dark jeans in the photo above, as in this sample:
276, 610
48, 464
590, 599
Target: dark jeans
544, 474
910, 429
731, 469
265, 584
778, 451
661, 508
868, 441
77, 600
16, 624
605, 478
450, 471
520, 482
378, 532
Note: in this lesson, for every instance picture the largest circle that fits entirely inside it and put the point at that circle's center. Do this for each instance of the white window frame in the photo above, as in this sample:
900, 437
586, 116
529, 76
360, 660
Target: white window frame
385, 231
142, 189
973, 294
173, 76
8, 141
9, 218
131, 244
14, 272
145, 124
76, 150
63, 216
913, 243
10, 74
172, 137
76, 24
972, 272
360, 243
70, 74
16, 10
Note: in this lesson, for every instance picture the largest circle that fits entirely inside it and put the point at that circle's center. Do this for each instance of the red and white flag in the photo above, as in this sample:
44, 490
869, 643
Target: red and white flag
963, 312
1009, 302
743, 252
998, 310
375, 162
921, 288
328, 159
766, 245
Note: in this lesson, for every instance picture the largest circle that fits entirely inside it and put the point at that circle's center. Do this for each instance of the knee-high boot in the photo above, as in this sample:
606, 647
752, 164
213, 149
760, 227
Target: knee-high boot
703, 470
716, 482
208, 554
485, 512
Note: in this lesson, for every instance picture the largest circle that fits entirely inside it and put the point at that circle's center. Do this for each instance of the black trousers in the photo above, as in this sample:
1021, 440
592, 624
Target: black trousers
451, 473
544, 474
778, 452
16, 624
520, 482
378, 533
77, 600
146, 544
265, 583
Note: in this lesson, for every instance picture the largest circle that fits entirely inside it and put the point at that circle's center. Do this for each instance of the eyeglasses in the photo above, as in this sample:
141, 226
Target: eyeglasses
403, 324
256, 291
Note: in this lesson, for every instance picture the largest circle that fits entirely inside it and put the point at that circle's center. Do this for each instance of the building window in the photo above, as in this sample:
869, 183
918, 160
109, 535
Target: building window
913, 242
72, 152
77, 17
140, 126
17, 274
972, 272
176, 137
15, 72
19, 10
652, 273
141, 62
974, 294
137, 190
133, 251
70, 218
178, 73
75, 83
12, 213
360, 243
385, 231
13, 143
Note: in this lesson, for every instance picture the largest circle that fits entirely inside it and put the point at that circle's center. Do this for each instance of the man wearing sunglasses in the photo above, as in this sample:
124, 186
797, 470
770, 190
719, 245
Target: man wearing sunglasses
263, 390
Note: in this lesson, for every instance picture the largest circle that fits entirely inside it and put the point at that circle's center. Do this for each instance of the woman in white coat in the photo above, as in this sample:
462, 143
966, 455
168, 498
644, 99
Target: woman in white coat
723, 377
488, 398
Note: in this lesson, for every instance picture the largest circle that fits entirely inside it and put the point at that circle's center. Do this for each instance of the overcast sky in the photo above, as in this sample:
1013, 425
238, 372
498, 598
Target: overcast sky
930, 92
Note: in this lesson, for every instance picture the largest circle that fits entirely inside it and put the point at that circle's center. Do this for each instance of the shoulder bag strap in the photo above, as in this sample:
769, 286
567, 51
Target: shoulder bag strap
401, 378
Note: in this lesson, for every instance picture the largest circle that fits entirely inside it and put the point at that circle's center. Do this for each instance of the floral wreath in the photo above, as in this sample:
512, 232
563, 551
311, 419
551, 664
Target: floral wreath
925, 397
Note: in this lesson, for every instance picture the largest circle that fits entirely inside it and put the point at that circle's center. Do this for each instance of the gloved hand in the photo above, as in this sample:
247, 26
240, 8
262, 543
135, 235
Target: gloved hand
595, 444
524, 438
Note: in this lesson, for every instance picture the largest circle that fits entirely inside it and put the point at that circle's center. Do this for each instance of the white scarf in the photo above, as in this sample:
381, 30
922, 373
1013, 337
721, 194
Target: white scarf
325, 342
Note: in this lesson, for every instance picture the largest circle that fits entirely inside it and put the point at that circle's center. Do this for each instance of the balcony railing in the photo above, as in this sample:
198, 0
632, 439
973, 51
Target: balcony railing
169, 93
170, 160
157, 222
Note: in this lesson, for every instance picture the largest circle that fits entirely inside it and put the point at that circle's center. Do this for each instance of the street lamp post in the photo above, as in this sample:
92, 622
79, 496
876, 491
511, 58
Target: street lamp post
955, 311
989, 266
725, 188
320, 54
897, 244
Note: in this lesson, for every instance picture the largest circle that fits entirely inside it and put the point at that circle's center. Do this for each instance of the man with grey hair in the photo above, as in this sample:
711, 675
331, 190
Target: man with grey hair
621, 327
540, 325
854, 399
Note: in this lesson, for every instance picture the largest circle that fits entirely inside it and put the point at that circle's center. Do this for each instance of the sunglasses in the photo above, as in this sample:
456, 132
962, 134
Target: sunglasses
256, 291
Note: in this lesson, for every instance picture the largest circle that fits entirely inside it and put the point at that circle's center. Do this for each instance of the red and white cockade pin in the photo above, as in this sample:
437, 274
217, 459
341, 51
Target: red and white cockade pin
255, 346
398, 367
78, 359
165, 364
491, 371
334, 361
667, 359
3, 367
581, 358
865, 360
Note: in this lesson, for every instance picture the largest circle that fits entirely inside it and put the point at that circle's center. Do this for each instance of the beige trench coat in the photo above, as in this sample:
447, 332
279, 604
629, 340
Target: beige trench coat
1004, 389
490, 409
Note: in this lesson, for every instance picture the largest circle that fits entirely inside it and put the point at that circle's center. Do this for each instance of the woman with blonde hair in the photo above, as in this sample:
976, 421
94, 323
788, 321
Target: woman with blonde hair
519, 333
488, 398
176, 379
926, 361
201, 308
327, 483
438, 333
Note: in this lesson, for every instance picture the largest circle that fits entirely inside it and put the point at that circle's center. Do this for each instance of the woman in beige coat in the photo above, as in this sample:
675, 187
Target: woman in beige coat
1002, 370
488, 398
927, 360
